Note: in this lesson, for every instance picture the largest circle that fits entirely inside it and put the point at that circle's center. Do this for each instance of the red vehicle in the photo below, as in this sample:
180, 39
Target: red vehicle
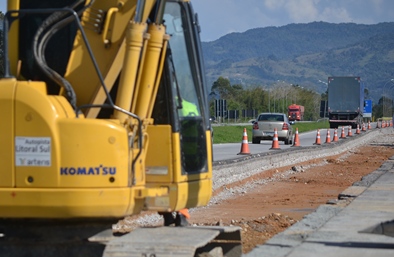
295, 112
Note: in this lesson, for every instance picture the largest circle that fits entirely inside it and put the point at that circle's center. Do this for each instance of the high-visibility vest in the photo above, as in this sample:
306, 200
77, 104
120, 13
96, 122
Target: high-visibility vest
189, 109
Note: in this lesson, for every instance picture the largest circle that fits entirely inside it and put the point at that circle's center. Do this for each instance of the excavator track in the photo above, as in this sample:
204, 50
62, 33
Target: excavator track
177, 241
81, 238
60, 238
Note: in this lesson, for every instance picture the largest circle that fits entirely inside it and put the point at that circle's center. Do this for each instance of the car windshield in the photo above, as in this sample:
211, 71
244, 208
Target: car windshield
271, 117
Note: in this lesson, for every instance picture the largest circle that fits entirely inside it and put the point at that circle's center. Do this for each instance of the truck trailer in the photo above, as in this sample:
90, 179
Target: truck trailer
345, 101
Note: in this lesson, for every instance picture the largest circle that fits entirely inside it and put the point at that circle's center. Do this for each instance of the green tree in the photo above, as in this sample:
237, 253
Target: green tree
377, 109
255, 98
324, 96
276, 99
222, 87
366, 93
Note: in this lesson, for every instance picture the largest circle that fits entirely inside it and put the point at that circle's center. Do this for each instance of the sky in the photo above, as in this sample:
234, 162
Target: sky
3, 5
220, 17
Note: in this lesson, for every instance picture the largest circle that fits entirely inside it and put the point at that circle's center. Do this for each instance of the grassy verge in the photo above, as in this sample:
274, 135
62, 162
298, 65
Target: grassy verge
233, 134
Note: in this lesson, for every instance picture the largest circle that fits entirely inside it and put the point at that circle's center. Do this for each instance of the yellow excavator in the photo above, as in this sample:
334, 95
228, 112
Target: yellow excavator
104, 115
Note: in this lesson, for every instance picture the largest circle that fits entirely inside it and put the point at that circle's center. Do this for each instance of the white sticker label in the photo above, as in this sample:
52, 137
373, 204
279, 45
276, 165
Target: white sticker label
156, 170
33, 151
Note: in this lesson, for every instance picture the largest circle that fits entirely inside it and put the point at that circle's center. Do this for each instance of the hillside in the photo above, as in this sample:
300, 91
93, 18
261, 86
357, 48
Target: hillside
304, 54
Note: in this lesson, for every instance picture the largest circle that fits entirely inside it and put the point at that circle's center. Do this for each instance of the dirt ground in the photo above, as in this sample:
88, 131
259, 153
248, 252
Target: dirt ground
283, 196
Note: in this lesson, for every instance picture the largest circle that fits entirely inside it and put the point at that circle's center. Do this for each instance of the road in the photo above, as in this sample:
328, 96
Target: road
230, 151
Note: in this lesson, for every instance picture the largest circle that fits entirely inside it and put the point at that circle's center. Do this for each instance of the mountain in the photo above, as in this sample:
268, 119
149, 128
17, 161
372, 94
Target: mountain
303, 54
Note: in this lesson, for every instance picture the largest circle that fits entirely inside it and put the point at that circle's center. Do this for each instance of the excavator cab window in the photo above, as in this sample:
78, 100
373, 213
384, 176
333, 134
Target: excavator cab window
181, 84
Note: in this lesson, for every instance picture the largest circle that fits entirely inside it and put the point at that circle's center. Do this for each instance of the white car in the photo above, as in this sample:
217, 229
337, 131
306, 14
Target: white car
263, 128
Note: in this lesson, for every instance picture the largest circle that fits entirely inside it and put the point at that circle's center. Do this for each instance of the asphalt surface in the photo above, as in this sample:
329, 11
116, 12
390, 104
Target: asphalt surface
359, 223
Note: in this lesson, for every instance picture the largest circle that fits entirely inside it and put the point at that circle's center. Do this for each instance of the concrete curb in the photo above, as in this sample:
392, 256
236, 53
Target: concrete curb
225, 172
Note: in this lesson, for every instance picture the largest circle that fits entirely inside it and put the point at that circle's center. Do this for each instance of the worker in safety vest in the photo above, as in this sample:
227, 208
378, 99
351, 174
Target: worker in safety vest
189, 109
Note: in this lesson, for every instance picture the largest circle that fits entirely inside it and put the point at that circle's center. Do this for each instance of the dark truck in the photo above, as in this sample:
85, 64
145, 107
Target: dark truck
345, 101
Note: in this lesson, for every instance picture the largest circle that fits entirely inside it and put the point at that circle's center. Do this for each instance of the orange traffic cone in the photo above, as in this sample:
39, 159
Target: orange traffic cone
328, 138
317, 142
296, 141
358, 129
343, 136
335, 138
349, 131
245, 144
369, 125
185, 212
275, 142
363, 128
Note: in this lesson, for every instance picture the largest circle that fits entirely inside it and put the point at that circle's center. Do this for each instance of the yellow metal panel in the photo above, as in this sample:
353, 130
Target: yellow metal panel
163, 162
158, 159
209, 153
12, 4
13, 38
7, 92
36, 136
94, 152
65, 203
138, 178
178, 176
186, 191
80, 71
159, 73
176, 155
194, 194
134, 43
146, 93
182, 195
109, 80
55, 151
151, 192
62, 106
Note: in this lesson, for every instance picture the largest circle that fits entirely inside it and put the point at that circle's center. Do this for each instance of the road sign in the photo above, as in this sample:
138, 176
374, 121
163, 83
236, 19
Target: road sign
220, 108
367, 109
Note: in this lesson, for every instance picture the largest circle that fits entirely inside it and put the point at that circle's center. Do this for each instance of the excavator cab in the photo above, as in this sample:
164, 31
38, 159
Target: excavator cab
181, 80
